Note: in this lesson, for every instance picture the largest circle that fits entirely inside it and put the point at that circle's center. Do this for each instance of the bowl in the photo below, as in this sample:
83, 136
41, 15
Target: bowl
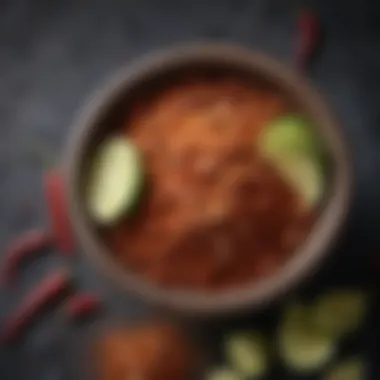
108, 105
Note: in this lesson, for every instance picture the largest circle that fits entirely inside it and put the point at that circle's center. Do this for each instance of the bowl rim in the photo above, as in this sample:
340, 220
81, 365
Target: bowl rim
307, 257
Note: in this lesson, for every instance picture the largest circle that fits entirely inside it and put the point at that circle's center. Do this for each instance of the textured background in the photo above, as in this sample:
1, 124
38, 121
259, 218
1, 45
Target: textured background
53, 54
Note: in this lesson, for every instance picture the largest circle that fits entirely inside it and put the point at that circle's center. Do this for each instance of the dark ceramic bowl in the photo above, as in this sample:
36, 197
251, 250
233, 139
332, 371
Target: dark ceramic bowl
109, 105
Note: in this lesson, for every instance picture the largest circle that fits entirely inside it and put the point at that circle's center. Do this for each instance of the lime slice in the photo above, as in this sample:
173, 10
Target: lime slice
223, 373
303, 348
115, 180
247, 352
351, 369
340, 312
290, 144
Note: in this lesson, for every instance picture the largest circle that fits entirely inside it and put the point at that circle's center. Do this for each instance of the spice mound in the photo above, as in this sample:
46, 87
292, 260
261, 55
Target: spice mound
149, 352
214, 213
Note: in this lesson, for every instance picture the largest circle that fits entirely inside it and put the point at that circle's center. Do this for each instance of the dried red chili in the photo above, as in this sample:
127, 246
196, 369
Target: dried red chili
83, 305
309, 30
57, 207
49, 290
22, 248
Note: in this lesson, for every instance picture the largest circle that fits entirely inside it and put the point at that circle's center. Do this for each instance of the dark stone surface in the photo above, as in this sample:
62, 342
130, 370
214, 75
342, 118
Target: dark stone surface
53, 54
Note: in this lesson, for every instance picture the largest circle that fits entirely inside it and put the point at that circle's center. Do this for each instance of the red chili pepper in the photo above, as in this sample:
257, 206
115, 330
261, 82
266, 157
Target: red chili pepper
22, 248
47, 291
309, 30
83, 305
57, 208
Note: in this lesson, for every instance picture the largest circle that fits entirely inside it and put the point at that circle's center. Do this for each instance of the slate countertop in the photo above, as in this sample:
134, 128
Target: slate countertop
53, 54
